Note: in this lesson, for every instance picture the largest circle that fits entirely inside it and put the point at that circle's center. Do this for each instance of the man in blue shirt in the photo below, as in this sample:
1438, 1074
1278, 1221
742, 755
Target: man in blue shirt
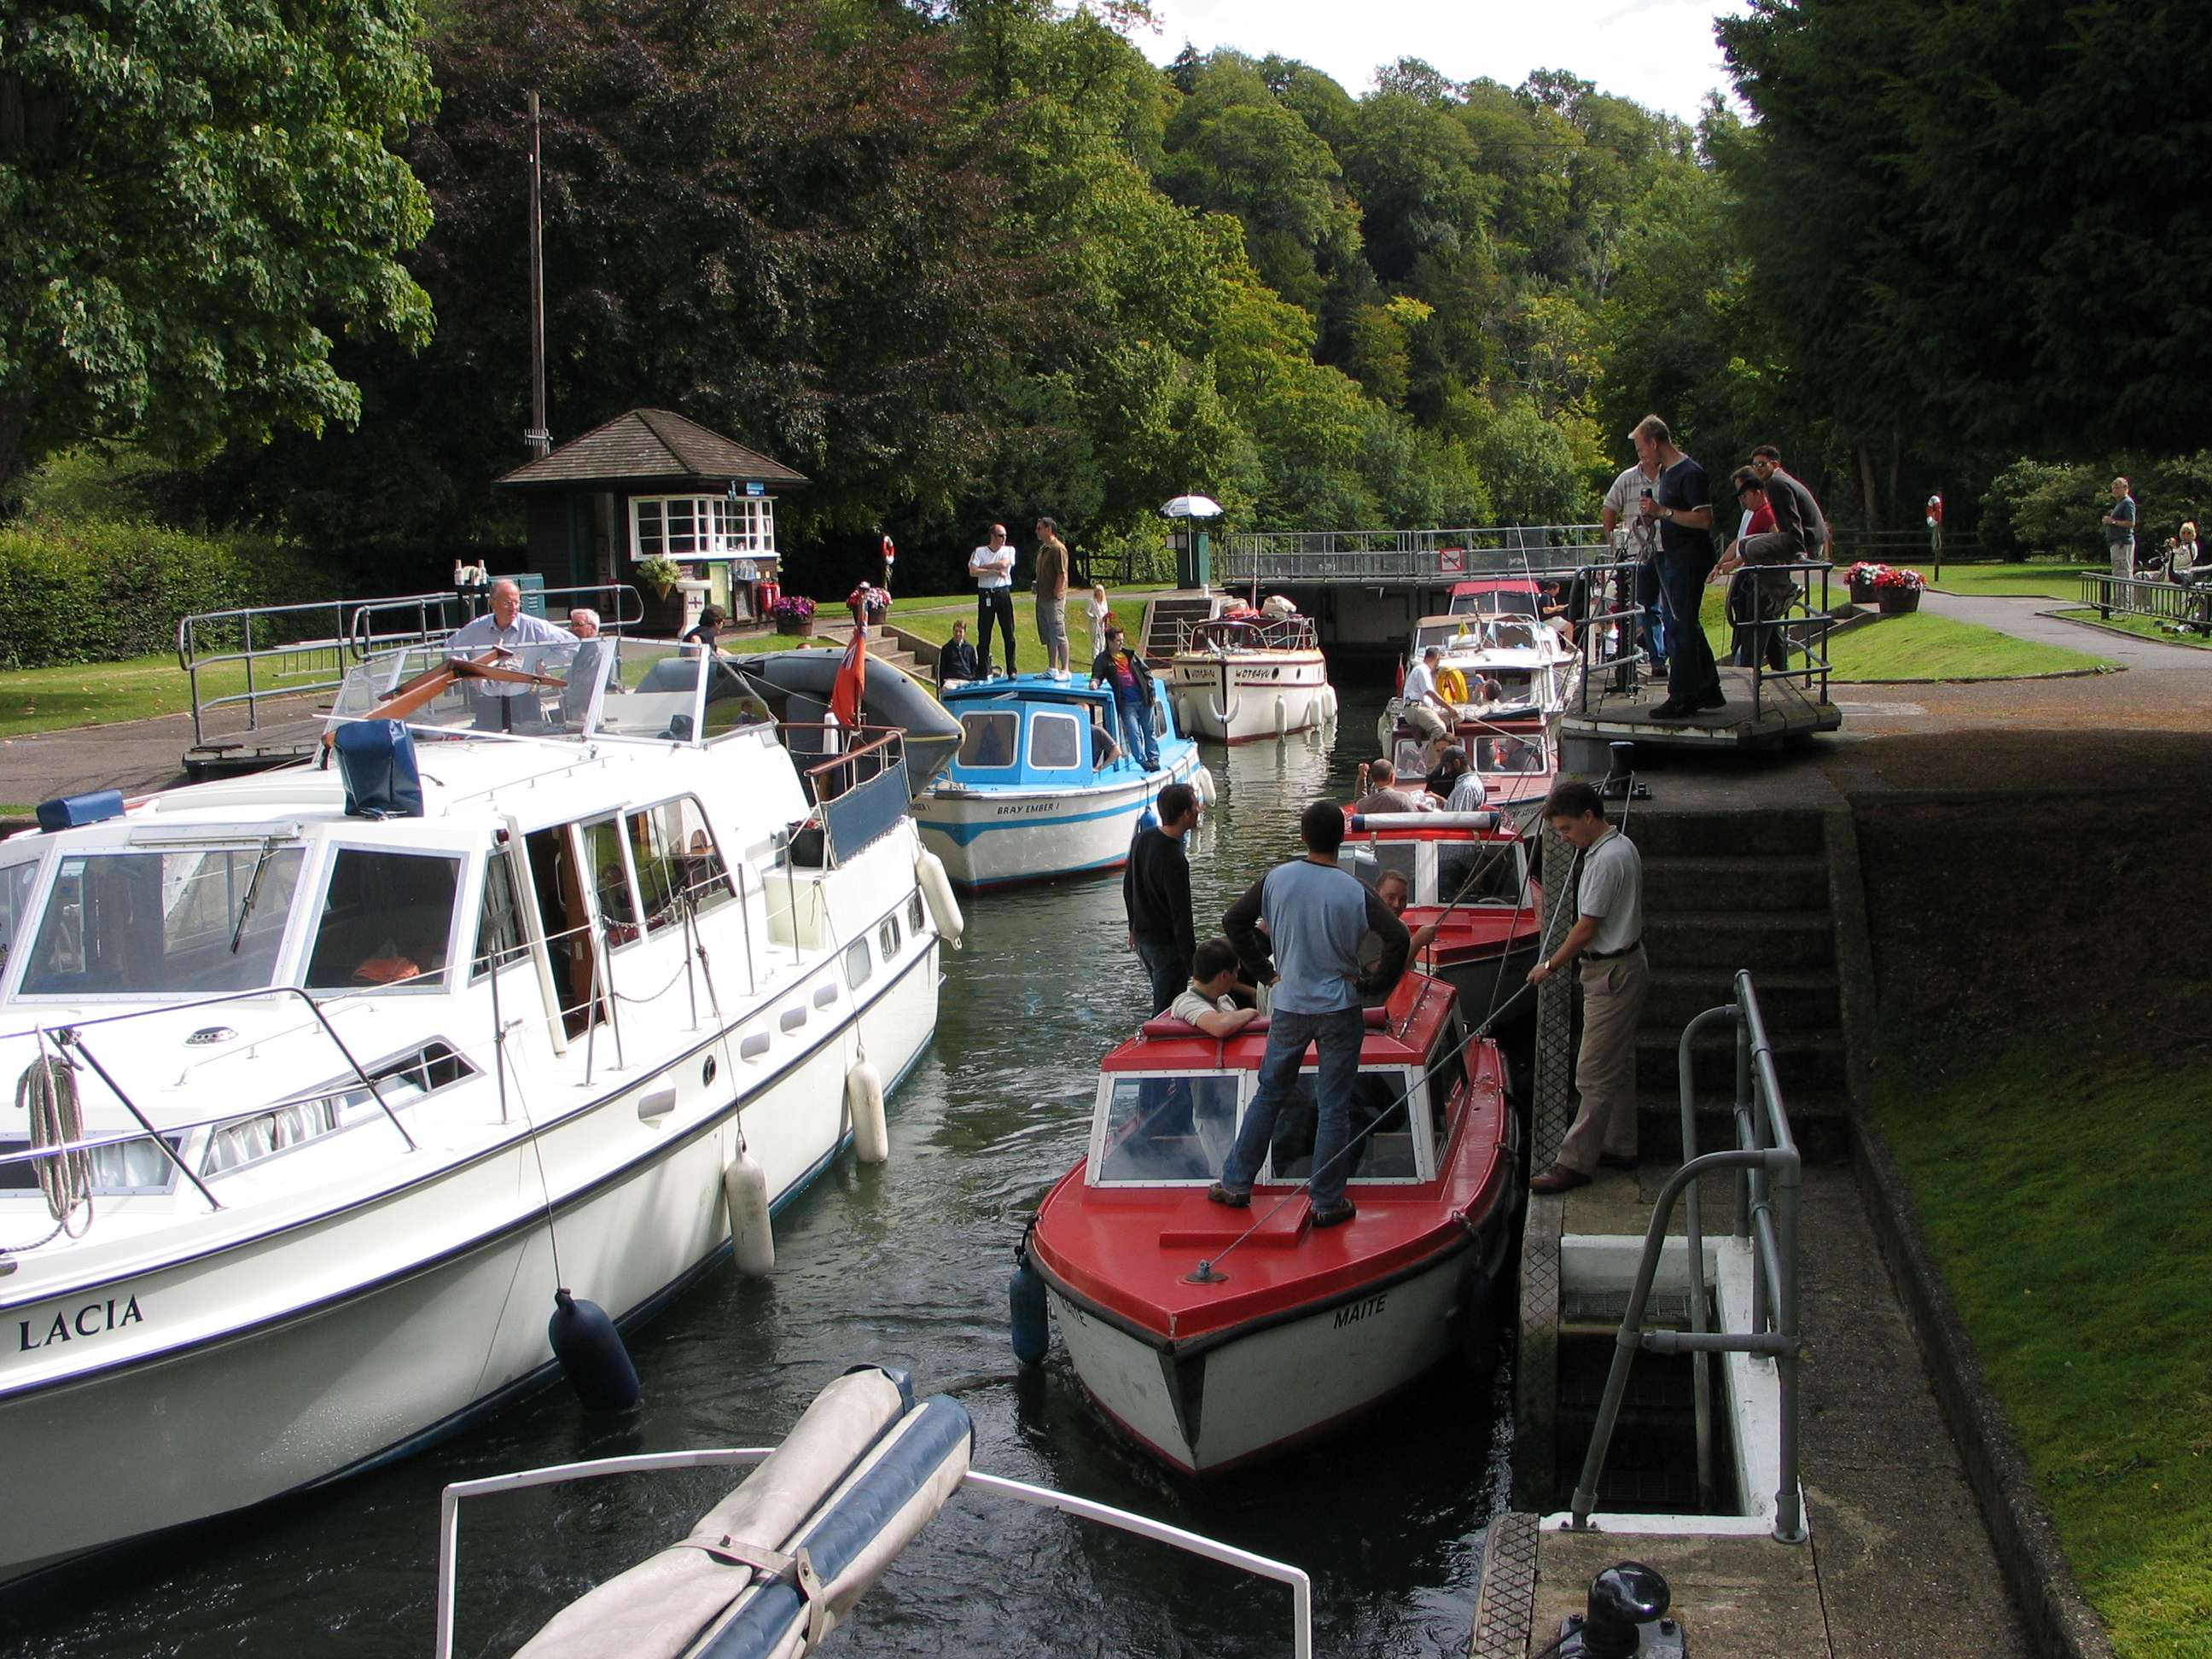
1315, 915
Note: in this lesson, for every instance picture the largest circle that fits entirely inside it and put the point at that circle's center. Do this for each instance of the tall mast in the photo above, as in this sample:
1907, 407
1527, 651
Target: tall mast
539, 438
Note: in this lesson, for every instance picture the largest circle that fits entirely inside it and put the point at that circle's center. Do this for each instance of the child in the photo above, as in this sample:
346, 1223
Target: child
1095, 608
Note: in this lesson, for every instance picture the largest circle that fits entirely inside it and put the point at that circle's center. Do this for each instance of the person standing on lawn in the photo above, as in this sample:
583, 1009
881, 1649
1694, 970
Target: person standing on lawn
1314, 915
2120, 532
1607, 939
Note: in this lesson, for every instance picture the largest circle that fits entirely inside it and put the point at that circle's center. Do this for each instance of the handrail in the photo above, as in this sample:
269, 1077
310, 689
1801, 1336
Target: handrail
1767, 1219
1805, 625
2187, 603
1424, 556
449, 1525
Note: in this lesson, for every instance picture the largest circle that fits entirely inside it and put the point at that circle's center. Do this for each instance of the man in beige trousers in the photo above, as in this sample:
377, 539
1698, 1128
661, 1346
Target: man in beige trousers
1608, 938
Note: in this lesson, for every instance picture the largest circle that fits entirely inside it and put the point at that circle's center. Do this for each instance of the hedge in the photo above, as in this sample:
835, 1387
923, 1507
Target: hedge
103, 591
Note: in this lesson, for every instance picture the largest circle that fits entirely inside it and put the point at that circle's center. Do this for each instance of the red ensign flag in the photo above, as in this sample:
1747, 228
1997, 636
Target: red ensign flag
851, 685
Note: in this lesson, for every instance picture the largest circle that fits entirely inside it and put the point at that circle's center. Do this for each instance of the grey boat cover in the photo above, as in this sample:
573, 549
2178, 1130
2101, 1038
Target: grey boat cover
891, 696
861, 1472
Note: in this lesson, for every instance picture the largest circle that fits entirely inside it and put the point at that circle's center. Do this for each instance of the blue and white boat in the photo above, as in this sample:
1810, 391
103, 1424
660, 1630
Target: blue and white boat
1027, 798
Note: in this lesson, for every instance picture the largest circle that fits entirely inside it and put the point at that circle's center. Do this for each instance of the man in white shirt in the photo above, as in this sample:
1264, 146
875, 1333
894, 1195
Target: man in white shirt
992, 565
504, 705
1207, 1002
1425, 708
1635, 537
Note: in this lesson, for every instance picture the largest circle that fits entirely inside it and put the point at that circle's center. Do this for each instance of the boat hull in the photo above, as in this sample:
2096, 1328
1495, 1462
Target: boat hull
316, 1389
1209, 1406
998, 837
1249, 697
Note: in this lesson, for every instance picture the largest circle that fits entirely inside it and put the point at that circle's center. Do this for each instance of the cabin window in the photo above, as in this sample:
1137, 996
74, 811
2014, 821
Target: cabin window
1163, 1128
916, 915
16, 882
204, 921
701, 527
602, 857
987, 740
700, 874
1383, 1152
1508, 755
387, 921
887, 938
1447, 1077
1055, 742
857, 967
500, 938
402, 1082
654, 835
1370, 861
119, 1169
1478, 872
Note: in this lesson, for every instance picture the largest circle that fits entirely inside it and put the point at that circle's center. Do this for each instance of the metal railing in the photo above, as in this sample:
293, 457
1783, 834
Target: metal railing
1610, 635
1769, 1172
2187, 604
1245, 634
1353, 556
296, 650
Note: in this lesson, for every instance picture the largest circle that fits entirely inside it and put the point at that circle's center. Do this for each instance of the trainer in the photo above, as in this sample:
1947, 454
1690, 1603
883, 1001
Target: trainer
1607, 939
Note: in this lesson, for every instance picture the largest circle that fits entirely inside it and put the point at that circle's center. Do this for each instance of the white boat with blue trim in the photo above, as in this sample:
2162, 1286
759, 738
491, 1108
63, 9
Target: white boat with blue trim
1033, 793
573, 969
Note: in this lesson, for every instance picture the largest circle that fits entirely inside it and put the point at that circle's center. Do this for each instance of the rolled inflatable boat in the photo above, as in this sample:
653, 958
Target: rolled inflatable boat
774, 1567
798, 683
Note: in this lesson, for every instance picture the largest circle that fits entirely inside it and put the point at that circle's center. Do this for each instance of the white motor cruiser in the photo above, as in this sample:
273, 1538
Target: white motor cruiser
325, 1080
1244, 675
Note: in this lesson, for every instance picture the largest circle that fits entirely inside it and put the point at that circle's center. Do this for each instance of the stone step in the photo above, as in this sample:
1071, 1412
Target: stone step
1790, 999
1729, 940
1804, 1061
1782, 831
1673, 882
1819, 1122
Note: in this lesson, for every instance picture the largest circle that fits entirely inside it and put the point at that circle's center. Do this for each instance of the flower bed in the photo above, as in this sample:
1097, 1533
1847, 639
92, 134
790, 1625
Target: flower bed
792, 614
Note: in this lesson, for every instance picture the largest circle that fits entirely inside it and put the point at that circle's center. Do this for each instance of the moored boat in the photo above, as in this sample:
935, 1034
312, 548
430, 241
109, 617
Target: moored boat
1216, 1336
336, 1074
1504, 671
1031, 794
1239, 677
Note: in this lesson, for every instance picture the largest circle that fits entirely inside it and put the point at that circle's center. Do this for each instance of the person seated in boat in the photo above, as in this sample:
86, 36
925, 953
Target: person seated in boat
1395, 890
1552, 607
1458, 783
955, 663
1423, 707
1381, 797
1516, 755
1209, 1002
1104, 751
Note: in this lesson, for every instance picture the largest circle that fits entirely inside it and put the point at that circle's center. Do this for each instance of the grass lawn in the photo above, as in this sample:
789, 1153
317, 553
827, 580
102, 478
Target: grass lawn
1922, 646
102, 694
932, 619
2048, 580
2148, 627
2063, 1191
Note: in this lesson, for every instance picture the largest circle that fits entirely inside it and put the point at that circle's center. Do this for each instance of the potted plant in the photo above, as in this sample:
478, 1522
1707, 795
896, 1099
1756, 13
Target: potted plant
869, 605
791, 614
1897, 589
1861, 577
660, 574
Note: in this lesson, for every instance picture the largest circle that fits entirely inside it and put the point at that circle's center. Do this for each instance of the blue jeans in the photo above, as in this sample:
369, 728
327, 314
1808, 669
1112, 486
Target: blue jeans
1655, 625
1691, 675
1166, 969
1137, 740
1337, 1035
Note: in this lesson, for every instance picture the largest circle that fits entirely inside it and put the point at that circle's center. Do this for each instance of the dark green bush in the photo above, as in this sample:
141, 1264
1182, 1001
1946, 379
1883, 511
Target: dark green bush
100, 591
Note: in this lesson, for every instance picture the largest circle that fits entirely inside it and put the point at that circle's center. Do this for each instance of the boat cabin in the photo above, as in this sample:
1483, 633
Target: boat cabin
1467, 858
1031, 732
1170, 1099
1502, 596
1250, 631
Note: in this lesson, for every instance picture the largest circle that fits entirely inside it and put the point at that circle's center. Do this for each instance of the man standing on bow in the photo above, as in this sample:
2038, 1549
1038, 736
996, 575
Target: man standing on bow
1680, 505
992, 565
1052, 598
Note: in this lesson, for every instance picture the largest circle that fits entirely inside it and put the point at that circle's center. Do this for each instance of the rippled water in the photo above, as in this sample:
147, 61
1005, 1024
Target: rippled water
906, 1264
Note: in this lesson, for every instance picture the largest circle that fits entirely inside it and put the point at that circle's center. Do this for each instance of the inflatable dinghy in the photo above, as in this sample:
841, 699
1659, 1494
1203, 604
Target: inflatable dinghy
770, 1571
796, 684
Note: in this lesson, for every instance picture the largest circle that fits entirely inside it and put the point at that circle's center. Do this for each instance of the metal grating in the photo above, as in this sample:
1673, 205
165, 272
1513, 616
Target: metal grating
1505, 1602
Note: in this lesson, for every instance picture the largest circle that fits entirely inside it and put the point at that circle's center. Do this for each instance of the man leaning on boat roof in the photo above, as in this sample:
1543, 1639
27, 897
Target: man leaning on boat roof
506, 627
1315, 914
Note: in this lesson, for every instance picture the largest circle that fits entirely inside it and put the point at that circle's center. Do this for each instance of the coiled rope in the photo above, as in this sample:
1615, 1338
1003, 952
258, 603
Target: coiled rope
47, 1092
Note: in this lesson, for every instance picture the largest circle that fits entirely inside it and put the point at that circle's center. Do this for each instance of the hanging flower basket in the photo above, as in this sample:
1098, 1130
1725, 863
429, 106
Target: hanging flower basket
661, 574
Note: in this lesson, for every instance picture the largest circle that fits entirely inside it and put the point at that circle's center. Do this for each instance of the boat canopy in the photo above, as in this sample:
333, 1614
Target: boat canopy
1040, 734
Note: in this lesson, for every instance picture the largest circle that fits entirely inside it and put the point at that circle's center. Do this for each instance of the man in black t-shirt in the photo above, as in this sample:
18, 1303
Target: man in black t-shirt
1155, 891
1681, 502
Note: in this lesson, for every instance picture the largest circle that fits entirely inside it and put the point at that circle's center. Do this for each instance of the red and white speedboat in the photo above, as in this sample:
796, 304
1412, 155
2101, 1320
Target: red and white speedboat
1469, 873
1287, 1331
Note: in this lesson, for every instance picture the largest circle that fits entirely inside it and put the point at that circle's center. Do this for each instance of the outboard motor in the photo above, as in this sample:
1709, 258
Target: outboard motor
1626, 1618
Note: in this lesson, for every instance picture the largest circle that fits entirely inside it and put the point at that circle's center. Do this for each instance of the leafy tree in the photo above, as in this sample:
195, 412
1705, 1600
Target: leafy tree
196, 201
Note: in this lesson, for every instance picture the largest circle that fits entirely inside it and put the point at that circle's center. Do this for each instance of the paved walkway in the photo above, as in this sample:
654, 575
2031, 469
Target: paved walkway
2024, 620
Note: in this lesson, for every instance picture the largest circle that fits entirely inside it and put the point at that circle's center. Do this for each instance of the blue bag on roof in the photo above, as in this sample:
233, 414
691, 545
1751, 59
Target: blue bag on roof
376, 758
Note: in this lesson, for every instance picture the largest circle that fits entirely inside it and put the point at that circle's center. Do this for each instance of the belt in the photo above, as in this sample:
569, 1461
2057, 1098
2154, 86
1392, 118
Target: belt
1607, 956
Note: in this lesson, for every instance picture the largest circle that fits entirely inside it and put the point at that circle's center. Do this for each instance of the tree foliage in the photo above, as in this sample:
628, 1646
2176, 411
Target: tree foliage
198, 202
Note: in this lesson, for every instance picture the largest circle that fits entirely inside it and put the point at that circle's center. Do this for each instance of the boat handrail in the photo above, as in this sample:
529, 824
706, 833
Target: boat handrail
1299, 1583
1266, 633
1769, 1170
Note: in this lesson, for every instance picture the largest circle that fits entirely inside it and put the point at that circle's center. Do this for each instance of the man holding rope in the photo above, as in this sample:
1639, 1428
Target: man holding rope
1608, 937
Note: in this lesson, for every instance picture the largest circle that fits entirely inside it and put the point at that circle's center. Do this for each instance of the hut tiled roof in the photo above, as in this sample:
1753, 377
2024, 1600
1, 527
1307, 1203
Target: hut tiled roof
648, 446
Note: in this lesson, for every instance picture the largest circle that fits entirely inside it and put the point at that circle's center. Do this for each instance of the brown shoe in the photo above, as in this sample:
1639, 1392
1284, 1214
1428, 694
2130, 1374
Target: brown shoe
1221, 1193
1335, 1215
1619, 1161
1559, 1179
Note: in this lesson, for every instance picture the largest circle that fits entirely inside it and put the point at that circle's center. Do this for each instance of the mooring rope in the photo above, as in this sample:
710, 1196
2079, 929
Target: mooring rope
47, 1092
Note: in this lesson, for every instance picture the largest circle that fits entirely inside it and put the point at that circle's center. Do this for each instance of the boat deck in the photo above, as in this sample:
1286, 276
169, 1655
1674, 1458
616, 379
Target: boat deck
1786, 712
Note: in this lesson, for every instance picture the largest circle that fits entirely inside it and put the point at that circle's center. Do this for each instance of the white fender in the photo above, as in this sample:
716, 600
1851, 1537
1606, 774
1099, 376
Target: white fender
1282, 717
937, 892
1186, 717
1226, 711
752, 1237
864, 1099
1207, 794
1328, 705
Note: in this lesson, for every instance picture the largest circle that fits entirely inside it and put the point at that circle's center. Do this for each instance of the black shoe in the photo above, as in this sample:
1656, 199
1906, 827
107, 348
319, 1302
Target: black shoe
1617, 1161
1231, 1196
1335, 1215
1671, 710
1715, 699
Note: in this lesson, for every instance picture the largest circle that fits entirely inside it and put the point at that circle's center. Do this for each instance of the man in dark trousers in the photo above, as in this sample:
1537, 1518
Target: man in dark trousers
1800, 533
1681, 504
1315, 915
1156, 892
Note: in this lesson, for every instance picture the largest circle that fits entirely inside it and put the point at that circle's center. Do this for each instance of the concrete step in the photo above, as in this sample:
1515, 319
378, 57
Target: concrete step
1729, 940
1790, 999
1819, 1120
1673, 882
1804, 1061
1658, 833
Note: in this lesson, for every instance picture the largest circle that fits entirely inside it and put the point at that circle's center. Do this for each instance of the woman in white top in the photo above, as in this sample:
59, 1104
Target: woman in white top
2184, 551
1095, 608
